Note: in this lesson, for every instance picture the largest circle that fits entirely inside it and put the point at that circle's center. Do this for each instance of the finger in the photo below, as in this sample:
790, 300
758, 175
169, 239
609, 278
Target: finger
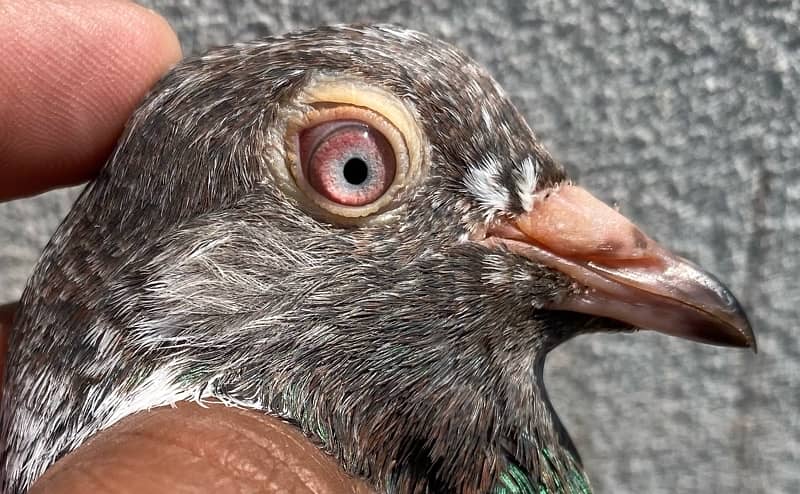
194, 449
6, 319
71, 73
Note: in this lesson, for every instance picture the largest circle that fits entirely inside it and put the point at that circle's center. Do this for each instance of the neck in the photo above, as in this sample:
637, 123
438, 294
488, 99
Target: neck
447, 442
557, 472
545, 461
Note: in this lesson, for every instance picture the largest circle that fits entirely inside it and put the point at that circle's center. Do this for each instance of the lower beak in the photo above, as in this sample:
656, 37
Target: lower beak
619, 272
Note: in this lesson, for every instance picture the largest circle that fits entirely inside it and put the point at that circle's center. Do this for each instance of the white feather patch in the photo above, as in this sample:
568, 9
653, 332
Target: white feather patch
158, 389
483, 182
526, 178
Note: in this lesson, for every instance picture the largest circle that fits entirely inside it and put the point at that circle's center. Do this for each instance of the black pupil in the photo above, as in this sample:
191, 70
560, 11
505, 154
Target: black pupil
355, 171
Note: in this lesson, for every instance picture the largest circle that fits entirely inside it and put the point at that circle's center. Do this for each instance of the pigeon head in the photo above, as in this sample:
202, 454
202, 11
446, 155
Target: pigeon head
351, 228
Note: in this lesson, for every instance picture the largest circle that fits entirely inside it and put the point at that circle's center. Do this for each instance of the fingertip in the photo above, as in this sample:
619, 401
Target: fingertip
75, 71
160, 47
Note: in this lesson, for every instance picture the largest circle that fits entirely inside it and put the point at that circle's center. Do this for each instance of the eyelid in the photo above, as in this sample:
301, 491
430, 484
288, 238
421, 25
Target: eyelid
358, 94
324, 130
323, 121
321, 132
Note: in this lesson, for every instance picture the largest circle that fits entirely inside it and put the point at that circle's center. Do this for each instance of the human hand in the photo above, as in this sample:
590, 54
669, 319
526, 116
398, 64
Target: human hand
72, 73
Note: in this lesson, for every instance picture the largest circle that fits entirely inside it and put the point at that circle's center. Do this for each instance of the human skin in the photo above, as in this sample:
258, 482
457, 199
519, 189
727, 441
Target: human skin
72, 73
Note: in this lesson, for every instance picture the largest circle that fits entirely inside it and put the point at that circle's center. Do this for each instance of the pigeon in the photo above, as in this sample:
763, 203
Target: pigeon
350, 228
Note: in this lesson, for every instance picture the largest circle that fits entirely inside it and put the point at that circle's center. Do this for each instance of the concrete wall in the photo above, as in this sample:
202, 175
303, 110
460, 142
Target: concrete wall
684, 113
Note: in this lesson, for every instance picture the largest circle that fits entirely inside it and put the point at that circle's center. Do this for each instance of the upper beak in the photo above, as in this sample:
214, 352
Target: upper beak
619, 272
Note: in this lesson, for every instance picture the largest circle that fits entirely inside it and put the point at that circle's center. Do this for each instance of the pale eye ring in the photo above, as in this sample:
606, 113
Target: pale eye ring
348, 162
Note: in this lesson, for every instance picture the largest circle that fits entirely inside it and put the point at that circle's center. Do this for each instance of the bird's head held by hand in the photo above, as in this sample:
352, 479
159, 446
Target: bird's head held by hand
353, 228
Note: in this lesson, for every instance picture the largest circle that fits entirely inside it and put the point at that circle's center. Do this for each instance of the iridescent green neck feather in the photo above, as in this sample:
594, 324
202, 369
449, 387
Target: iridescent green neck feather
517, 480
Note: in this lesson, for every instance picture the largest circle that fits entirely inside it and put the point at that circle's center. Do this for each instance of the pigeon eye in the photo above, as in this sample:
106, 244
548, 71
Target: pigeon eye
352, 149
347, 161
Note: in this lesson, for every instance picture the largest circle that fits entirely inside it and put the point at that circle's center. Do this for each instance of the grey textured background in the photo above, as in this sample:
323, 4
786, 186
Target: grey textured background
686, 115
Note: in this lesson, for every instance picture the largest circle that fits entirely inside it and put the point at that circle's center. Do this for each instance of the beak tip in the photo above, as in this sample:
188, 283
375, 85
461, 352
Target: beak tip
732, 330
741, 335
747, 340
740, 323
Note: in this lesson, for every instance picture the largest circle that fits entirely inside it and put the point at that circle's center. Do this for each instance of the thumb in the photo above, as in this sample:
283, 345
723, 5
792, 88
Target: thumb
190, 448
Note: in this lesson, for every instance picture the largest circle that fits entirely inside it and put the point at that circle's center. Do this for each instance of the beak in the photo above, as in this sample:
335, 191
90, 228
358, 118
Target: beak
619, 272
